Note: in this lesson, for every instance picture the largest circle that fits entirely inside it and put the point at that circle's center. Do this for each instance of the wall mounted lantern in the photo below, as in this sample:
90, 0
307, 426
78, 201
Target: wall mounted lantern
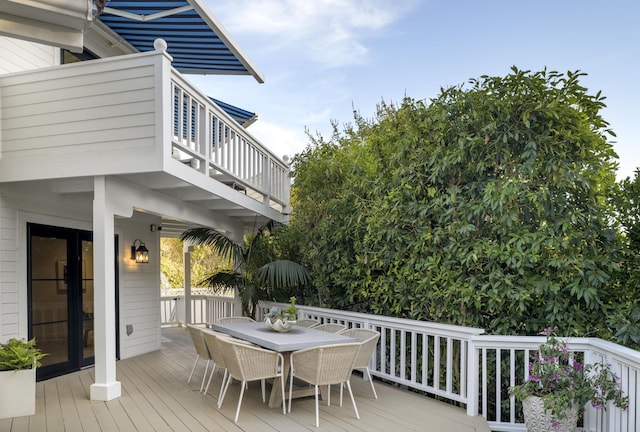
141, 253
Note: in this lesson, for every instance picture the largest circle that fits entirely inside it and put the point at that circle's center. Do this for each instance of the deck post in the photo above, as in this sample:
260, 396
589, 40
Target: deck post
472, 378
105, 386
187, 249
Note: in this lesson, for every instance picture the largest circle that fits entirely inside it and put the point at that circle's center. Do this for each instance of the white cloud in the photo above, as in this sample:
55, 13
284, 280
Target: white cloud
330, 32
282, 140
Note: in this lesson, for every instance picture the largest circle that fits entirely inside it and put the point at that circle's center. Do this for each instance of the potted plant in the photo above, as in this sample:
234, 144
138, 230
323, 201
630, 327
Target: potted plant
558, 386
282, 320
18, 362
291, 312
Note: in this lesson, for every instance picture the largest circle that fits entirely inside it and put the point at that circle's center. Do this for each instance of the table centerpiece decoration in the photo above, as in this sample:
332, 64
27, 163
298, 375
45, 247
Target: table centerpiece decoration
282, 320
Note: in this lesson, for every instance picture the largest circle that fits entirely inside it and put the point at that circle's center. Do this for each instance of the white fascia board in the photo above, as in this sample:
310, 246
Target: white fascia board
44, 33
74, 14
224, 36
59, 23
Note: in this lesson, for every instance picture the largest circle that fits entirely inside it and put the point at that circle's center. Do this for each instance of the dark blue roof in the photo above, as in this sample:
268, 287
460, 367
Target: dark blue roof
196, 40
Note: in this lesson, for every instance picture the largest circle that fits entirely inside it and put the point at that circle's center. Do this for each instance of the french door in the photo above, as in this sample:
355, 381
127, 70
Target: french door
60, 296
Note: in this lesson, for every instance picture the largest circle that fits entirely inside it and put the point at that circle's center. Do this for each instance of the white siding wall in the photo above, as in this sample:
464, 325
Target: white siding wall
140, 290
9, 303
17, 55
84, 116
139, 284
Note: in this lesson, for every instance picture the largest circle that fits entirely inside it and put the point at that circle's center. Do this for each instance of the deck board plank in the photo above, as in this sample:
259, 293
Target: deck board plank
79, 383
53, 408
68, 407
157, 397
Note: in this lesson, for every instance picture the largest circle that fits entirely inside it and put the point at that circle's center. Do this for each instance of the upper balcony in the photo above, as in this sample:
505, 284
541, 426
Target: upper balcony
137, 118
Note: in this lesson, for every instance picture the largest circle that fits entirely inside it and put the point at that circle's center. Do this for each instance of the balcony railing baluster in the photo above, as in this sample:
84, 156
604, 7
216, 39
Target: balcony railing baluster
227, 152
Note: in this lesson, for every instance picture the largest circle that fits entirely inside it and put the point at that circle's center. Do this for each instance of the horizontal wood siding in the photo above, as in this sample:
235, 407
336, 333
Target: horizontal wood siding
18, 55
84, 111
9, 299
140, 292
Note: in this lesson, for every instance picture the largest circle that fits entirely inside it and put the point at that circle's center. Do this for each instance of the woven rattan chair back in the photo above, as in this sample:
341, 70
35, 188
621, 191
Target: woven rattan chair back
215, 353
250, 363
201, 352
331, 327
368, 340
307, 323
324, 365
233, 319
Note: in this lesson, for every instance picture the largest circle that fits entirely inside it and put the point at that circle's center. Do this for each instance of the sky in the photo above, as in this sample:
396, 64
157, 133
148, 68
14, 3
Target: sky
322, 59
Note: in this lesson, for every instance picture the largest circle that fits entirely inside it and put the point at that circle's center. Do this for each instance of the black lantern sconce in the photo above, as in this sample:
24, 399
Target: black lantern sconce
141, 253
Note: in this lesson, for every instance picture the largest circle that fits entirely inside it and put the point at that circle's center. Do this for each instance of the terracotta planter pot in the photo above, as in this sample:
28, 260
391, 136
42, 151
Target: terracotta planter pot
537, 420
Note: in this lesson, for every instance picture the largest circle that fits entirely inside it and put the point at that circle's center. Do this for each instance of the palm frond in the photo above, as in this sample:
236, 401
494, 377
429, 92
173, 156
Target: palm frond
255, 250
220, 243
224, 280
283, 274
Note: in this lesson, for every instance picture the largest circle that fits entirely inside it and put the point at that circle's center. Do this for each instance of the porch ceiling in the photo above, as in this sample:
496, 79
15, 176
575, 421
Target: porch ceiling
182, 190
77, 192
197, 41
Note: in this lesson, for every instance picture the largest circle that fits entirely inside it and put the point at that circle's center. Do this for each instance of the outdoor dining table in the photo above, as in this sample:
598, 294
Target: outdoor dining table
285, 343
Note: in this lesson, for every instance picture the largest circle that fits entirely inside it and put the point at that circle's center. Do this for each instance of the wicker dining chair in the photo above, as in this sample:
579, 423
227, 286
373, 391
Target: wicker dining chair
201, 352
247, 363
368, 340
215, 352
233, 319
331, 327
310, 323
324, 365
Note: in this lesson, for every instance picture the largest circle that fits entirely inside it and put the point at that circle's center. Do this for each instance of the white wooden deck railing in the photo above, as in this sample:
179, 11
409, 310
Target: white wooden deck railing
210, 141
500, 359
422, 355
465, 366
205, 309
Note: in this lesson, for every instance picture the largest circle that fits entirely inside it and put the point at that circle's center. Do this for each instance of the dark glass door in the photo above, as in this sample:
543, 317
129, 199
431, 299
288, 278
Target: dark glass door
60, 287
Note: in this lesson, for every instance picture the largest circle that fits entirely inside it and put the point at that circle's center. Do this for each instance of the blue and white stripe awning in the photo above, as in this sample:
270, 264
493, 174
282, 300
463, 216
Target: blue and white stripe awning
196, 40
243, 117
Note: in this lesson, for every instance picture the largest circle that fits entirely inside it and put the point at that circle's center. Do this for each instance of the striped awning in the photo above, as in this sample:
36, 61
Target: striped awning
243, 117
196, 40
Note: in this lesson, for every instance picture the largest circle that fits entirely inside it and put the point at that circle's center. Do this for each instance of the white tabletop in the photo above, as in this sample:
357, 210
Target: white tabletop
295, 339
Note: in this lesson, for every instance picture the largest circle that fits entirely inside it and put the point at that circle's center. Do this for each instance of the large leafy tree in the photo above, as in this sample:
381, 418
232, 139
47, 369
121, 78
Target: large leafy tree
203, 262
485, 207
625, 321
254, 269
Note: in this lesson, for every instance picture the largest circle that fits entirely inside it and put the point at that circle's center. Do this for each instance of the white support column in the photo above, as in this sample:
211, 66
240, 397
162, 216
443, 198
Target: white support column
105, 387
187, 249
238, 238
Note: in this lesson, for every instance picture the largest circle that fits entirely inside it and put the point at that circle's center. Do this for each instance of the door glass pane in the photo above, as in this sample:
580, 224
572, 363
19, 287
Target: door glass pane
87, 297
49, 297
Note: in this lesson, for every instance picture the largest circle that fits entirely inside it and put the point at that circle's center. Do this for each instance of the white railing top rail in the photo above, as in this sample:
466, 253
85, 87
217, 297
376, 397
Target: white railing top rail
357, 317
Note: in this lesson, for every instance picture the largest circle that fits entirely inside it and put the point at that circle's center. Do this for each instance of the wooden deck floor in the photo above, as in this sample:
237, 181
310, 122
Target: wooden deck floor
156, 397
